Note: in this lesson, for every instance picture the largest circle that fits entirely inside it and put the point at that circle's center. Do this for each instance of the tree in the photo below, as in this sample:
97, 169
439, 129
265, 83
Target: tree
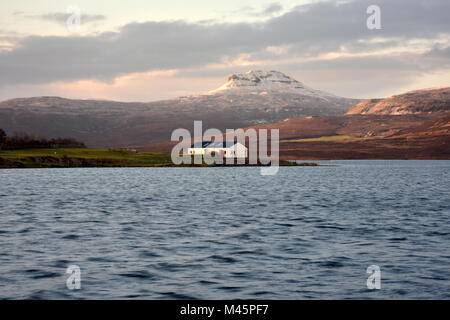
2, 136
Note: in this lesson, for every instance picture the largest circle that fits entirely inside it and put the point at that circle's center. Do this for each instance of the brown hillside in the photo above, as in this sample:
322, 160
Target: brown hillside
414, 102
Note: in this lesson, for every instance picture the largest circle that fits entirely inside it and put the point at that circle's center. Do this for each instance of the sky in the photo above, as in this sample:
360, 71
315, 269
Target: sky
141, 50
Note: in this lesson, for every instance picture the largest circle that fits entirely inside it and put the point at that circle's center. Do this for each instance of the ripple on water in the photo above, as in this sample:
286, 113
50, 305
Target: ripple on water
191, 233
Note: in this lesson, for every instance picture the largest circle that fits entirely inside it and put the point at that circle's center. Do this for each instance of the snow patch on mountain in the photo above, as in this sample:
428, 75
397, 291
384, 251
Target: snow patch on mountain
267, 82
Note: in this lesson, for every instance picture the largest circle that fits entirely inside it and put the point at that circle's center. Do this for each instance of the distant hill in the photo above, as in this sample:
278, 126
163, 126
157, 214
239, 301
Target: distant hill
414, 125
372, 136
413, 102
246, 99
438, 126
353, 126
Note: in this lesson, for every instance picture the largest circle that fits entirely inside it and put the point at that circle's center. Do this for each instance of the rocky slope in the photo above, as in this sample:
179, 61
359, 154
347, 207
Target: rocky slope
295, 130
247, 99
413, 102
370, 136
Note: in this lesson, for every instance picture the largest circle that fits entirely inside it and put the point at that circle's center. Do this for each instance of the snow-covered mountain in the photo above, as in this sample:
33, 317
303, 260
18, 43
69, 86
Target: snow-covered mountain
269, 92
246, 99
257, 81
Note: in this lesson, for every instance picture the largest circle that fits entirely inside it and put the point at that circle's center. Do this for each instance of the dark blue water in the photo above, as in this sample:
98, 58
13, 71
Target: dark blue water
226, 233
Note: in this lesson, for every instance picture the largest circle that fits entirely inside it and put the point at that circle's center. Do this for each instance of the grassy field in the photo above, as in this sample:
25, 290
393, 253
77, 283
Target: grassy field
81, 152
86, 157
324, 139
81, 157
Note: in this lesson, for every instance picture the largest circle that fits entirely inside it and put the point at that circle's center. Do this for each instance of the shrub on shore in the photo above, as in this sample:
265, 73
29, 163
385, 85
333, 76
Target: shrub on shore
26, 141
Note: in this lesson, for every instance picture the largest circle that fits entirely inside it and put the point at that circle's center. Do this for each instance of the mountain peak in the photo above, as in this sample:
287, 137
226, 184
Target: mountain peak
259, 76
259, 80
267, 82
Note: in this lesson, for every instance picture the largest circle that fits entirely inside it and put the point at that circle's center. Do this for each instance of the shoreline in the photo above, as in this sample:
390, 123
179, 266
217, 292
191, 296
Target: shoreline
105, 158
162, 165
113, 158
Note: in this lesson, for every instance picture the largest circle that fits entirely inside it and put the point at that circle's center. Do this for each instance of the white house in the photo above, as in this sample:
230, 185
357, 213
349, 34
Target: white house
226, 149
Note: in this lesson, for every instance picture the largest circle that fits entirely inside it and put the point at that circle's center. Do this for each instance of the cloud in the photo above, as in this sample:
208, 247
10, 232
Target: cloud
272, 8
306, 32
440, 51
269, 10
61, 18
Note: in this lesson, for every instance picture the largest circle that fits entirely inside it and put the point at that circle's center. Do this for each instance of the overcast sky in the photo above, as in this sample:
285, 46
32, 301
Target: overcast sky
140, 50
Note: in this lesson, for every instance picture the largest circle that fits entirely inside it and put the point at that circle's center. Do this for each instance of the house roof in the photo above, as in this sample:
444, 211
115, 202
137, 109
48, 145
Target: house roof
200, 144
213, 144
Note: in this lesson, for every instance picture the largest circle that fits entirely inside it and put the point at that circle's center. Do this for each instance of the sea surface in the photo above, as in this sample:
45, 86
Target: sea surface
227, 233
